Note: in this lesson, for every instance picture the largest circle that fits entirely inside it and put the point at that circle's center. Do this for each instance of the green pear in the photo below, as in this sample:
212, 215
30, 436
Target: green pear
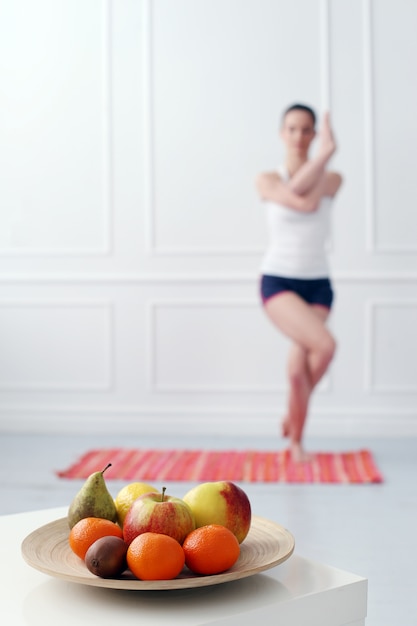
93, 500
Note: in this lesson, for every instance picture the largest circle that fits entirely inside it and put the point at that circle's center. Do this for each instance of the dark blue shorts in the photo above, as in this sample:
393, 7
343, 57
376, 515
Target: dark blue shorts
313, 291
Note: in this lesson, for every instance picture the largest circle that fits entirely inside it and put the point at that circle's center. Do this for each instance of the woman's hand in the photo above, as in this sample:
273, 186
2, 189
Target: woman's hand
327, 145
308, 175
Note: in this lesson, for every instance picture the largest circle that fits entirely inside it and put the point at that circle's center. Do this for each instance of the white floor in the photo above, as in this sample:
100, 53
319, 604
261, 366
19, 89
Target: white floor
370, 530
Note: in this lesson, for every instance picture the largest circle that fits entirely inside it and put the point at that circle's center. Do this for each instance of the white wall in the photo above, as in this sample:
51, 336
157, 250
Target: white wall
131, 234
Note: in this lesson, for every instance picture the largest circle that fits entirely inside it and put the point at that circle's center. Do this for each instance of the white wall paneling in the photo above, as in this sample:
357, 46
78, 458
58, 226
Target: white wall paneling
325, 54
56, 153
390, 224
369, 135
392, 346
56, 345
201, 165
145, 420
130, 230
392, 95
210, 339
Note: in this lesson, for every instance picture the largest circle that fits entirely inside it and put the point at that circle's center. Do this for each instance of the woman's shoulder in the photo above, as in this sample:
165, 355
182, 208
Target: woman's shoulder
273, 176
270, 175
332, 183
265, 180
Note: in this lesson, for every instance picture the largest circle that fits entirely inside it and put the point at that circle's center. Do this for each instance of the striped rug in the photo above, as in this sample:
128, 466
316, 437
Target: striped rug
354, 467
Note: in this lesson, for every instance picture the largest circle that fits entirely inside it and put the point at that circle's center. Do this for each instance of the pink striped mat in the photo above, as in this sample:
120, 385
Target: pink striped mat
245, 465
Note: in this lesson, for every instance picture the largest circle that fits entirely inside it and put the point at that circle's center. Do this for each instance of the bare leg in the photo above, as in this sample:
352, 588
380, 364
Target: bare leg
312, 350
300, 388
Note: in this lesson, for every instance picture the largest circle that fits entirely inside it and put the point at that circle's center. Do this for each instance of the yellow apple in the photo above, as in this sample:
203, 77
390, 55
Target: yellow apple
220, 502
127, 495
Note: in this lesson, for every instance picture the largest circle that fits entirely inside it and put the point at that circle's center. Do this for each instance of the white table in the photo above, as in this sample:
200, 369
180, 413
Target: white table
299, 592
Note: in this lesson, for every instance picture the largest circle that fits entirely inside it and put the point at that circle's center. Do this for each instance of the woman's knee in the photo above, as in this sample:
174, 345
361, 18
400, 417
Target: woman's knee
326, 349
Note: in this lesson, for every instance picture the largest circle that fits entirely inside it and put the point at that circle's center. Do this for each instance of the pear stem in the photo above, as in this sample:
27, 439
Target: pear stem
107, 467
163, 494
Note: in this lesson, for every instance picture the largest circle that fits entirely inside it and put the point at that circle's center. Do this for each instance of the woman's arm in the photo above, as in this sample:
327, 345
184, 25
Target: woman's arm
271, 187
306, 187
304, 179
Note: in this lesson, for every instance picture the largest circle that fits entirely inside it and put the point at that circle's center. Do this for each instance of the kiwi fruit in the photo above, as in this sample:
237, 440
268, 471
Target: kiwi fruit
106, 557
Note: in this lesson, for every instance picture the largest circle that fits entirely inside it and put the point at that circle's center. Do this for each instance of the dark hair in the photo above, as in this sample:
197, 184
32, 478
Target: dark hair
300, 107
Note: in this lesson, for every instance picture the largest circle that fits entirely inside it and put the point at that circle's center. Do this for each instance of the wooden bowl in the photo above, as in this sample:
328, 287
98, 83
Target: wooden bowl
47, 549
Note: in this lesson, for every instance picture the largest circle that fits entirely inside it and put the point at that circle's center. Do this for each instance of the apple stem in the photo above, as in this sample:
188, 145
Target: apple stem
107, 467
163, 494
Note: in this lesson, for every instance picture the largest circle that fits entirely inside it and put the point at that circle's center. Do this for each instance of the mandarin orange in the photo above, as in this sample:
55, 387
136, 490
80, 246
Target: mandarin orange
153, 556
88, 530
210, 549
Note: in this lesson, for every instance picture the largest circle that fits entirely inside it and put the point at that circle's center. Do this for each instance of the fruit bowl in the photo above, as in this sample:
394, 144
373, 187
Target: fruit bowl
46, 549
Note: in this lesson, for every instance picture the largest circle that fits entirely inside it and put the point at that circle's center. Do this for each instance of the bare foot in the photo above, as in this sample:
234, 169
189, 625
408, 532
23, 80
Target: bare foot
299, 455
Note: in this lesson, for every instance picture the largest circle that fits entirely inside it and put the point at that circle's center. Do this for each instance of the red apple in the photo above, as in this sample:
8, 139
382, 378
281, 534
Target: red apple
220, 502
158, 513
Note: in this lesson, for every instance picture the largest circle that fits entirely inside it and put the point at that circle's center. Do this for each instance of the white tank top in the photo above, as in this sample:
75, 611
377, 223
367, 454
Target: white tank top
297, 240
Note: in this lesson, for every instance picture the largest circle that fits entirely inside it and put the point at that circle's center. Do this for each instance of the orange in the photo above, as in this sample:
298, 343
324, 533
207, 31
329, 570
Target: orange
210, 549
153, 556
88, 530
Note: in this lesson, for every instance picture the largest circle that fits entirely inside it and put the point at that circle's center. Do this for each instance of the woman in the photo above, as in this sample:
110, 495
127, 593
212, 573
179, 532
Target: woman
295, 285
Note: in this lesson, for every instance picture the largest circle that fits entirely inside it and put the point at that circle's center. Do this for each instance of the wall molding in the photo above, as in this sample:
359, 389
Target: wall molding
325, 55
371, 309
108, 382
189, 277
372, 244
369, 139
107, 189
151, 245
337, 421
148, 128
204, 303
